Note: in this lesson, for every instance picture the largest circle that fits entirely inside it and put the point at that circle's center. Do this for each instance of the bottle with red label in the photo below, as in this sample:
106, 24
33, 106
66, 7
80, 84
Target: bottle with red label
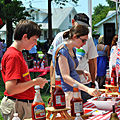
108, 79
38, 106
76, 102
119, 81
113, 76
38, 66
34, 64
58, 96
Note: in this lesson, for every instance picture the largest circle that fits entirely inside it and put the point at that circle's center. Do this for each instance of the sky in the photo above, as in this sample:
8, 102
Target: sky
82, 4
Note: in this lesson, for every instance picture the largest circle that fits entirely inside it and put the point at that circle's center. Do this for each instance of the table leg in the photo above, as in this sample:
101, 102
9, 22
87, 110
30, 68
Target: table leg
66, 114
48, 114
53, 116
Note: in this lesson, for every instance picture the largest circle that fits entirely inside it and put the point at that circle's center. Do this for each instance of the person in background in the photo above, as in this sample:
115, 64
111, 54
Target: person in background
88, 61
33, 51
45, 57
114, 41
19, 88
102, 60
77, 37
113, 52
4, 46
32, 54
95, 39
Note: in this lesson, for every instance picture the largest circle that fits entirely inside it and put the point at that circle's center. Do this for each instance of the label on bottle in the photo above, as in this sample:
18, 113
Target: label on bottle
37, 66
60, 100
76, 94
112, 81
39, 111
78, 107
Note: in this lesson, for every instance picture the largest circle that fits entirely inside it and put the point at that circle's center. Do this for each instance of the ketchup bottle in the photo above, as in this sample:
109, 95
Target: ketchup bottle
58, 96
113, 76
76, 102
38, 106
108, 79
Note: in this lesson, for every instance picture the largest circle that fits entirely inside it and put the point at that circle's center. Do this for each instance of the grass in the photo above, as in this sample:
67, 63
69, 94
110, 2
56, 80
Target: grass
44, 96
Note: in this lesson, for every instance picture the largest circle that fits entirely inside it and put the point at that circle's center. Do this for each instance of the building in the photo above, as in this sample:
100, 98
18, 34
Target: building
110, 18
61, 20
109, 26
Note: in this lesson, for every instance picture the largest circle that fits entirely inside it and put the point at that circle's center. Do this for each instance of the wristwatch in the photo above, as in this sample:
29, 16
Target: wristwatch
92, 83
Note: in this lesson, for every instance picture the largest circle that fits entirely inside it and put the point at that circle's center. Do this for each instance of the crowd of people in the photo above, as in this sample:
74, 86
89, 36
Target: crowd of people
78, 67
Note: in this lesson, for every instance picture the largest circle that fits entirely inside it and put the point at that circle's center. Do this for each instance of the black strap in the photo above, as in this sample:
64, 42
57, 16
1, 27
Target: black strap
22, 100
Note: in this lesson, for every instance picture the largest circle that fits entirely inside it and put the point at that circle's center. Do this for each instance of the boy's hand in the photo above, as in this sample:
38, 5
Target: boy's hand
40, 81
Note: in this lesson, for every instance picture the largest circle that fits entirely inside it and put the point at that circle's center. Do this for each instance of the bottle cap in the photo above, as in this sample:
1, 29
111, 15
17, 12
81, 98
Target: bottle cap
107, 70
75, 85
15, 114
37, 87
77, 114
113, 66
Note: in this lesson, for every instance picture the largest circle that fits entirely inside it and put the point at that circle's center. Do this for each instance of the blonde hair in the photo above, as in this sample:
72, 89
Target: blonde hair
101, 39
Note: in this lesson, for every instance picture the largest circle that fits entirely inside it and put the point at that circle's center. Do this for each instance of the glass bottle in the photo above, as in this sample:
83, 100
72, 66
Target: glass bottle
113, 76
78, 116
58, 96
38, 66
42, 65
76, 102
108, 79
38, 106
34, 64
114, 115
15, 116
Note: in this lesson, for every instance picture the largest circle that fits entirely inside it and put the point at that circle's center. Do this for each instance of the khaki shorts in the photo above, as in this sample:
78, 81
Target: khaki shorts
9, 107
68, 97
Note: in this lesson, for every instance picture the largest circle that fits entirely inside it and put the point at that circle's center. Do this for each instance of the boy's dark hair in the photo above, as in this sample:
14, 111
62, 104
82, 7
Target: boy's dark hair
26, 27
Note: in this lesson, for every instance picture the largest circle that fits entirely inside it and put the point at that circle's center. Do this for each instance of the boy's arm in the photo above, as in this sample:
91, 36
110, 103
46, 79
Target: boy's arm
13, 87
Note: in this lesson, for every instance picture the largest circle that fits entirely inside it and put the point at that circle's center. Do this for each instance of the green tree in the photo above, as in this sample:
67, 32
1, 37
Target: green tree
12, 12
111, 3
100, 13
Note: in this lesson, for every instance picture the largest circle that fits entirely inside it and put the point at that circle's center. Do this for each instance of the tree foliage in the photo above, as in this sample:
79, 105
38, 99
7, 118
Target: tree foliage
111, 4
63, 2
100, 13
12, 13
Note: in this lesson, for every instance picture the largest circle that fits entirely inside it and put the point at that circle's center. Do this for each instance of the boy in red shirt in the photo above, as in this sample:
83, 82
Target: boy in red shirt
19, 88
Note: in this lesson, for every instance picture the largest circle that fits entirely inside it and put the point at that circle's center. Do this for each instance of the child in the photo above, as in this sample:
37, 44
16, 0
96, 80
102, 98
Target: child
19, 88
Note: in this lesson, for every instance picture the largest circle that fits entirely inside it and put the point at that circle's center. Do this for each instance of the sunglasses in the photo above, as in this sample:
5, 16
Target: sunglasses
83, 40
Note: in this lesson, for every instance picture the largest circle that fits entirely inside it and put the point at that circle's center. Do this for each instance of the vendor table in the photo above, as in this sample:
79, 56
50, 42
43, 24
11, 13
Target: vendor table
89, 105
100, 117
41, 71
